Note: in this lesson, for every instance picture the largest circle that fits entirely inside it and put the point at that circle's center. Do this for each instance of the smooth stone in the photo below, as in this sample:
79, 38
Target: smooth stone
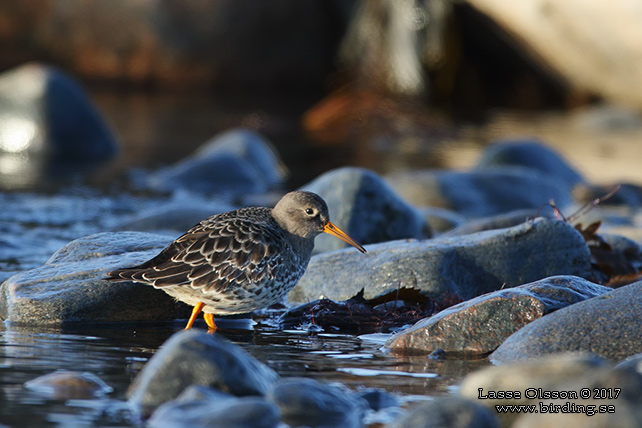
307, 402
234, 163
607, 325
193, 357
45, 112
533, 155
500, 221
245, 412
70, 286
362, 204
451, 412
479, 193
633, 362
478, 326
251, 147
465, 266
66, 385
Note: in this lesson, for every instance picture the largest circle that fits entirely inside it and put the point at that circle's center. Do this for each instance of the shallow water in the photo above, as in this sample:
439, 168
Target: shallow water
117, 352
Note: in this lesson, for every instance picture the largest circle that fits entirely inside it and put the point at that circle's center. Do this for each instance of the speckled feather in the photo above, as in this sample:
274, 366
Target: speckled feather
234, 262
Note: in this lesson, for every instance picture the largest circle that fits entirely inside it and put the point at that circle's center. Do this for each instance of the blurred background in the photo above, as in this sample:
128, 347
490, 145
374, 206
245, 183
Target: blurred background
384, 84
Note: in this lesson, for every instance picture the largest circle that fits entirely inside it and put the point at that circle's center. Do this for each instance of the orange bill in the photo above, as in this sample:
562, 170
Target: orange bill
335, 231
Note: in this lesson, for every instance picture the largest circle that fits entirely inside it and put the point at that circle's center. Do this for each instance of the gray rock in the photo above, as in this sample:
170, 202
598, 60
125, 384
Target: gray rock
464, 266
245, 412
607, 325
45, 112
478, 326
447, 412
307, 402
633, 362
533, 155
366, 208
233, 163
70, 286
192, 357
480, 193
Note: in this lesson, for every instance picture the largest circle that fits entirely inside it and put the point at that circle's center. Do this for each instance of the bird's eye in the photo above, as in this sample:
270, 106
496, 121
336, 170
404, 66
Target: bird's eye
309, 211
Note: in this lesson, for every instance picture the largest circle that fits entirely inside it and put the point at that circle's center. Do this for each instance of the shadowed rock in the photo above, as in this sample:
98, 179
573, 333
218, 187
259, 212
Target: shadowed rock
451, 412
193, 357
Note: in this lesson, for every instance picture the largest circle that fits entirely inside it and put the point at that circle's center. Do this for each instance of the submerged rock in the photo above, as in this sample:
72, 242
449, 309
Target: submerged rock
193, 357
608, 325
480, 193
451, 412
70, 287
236, 162
366, 208
464, 267
66, 385
307, 402
478, 326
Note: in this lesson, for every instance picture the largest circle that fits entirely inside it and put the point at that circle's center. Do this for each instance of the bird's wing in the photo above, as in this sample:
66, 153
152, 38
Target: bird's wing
213, 256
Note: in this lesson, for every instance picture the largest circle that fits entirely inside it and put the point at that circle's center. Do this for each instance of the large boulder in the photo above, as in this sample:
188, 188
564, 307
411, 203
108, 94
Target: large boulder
366, 208
465, 266
478, 326
70, 287
607, 325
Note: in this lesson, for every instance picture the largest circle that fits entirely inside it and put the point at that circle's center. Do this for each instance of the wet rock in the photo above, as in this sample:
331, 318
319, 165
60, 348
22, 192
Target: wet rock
479, 193
633, 362
307, 402
45, 112
532, 155
464, 267
478, 326
70, 287
606, 325
378, 399
66, 385
236, 162
194, 357
366, 208
451, 412
229, 412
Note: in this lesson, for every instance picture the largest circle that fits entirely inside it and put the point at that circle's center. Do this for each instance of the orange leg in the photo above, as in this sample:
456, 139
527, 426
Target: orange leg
197, 310
209, 319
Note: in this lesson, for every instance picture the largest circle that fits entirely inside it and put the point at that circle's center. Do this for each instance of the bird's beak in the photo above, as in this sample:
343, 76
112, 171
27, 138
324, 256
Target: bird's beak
335, 231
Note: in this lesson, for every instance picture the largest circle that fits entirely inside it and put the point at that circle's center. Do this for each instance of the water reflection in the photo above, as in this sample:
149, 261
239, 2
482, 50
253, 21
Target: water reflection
117, 352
